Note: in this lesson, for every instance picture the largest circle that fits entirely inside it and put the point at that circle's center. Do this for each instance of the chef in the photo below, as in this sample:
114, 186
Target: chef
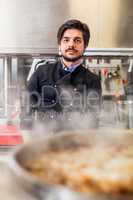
58, 89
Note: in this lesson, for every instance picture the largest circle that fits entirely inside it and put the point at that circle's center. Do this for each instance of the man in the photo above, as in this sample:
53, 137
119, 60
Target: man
66, 86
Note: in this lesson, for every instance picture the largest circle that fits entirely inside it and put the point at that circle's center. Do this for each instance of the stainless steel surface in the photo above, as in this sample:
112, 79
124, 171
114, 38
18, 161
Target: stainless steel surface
60, 141
31, 26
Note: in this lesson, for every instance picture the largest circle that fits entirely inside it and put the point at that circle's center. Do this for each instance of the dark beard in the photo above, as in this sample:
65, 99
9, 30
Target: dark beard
72, 59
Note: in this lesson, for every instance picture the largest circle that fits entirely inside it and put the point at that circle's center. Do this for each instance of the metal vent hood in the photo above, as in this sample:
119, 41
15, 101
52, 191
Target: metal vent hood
31, 26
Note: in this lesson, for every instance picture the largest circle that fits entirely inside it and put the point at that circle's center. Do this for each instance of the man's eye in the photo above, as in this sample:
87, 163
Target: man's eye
65, 40
78, 41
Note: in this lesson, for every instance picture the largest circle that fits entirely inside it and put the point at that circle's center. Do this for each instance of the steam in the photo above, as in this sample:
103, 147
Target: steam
105, 119
66, 121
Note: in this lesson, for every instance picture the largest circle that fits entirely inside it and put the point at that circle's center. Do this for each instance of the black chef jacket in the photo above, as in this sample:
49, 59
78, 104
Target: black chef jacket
51, 88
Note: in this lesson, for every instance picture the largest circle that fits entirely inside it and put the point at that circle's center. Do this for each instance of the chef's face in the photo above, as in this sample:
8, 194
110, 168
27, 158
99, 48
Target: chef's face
72, 45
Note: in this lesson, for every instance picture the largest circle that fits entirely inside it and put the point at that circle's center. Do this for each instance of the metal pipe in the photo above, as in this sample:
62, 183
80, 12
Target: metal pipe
7, 83
130, 66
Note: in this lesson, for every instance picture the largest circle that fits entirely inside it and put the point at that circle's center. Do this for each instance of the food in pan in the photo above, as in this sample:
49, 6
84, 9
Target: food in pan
103, 168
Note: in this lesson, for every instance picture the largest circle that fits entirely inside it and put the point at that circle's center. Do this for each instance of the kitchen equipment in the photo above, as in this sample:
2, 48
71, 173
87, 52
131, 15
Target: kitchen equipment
61, 141
125, 113
10, 136
40, 20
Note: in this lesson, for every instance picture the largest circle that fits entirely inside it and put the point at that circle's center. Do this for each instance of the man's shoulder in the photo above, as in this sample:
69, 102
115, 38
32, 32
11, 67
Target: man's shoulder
95, 76
88, 73
46, 66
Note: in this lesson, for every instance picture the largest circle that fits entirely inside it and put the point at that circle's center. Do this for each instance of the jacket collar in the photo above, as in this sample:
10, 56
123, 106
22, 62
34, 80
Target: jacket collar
72, 67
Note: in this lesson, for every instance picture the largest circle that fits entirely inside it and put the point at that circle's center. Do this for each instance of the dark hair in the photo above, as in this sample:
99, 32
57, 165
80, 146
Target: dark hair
74, 24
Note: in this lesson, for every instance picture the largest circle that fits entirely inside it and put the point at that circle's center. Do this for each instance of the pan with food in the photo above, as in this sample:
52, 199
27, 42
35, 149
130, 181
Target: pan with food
77, 165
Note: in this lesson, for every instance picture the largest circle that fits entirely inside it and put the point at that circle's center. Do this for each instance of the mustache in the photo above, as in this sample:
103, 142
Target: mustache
71, 49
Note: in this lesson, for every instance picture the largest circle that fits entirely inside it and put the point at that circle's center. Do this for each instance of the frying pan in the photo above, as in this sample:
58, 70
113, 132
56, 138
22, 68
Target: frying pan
60, 141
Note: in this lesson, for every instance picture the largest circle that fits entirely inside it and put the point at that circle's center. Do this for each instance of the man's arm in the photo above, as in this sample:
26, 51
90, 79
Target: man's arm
33, 92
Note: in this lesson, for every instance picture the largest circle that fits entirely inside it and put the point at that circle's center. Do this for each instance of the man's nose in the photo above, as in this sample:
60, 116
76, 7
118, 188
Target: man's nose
71, 43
